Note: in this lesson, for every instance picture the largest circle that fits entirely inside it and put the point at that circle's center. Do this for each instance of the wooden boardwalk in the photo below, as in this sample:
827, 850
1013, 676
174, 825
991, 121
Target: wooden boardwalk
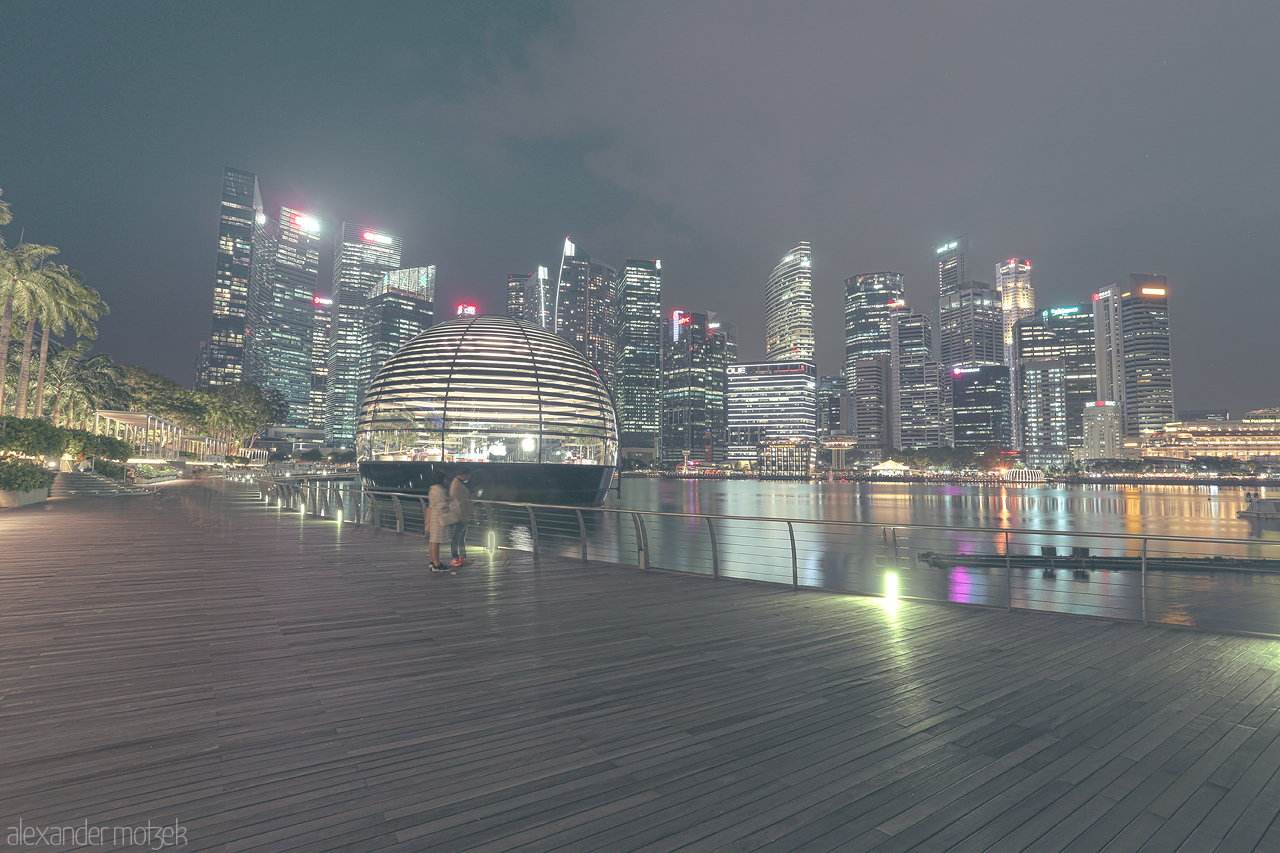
274, 683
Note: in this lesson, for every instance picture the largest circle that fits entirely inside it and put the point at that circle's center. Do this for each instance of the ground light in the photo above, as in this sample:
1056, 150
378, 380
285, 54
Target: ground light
493, 542
891, 586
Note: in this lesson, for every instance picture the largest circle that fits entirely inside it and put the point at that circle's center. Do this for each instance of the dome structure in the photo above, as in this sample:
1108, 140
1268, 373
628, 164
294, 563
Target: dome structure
508, 400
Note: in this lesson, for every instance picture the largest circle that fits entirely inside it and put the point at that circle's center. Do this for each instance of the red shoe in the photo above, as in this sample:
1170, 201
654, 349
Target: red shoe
456, 561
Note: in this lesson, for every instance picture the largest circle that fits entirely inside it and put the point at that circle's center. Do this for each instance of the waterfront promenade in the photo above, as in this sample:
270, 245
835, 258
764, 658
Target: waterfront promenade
269, 682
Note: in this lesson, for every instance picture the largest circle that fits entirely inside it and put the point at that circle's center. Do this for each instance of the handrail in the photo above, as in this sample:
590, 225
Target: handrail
1137, 537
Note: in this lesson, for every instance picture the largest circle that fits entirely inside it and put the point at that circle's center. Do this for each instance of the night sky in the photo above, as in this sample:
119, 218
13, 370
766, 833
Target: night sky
1096, 138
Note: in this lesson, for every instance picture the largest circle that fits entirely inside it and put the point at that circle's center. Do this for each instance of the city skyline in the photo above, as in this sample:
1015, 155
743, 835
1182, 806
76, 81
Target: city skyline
514, 132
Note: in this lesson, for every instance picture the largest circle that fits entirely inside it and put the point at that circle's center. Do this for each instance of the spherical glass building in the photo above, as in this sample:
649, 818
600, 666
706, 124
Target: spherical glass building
516, 405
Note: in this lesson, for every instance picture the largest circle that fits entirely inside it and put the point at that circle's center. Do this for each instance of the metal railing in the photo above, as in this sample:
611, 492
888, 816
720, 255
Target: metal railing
1214, 584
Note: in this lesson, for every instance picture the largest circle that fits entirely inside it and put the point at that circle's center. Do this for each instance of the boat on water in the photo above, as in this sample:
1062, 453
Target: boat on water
1260, 508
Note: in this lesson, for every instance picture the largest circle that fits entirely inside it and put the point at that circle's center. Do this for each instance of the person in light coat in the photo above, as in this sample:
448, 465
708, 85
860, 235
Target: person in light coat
438, 519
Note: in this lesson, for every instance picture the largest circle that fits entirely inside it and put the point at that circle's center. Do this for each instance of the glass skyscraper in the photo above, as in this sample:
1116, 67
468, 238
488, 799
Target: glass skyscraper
1017, 298
980, 411
400, 307
638, 359
1064, 334
361, 256
281, 319
868, 301
770, 401
693, 390
517, 288
788, 308
320, 331
1134, 358
224, 363
585, 307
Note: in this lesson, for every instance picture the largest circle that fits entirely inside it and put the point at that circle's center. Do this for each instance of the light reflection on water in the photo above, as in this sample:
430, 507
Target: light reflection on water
857, 559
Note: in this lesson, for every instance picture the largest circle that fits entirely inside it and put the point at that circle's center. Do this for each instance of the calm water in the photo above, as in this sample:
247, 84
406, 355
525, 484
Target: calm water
869, 560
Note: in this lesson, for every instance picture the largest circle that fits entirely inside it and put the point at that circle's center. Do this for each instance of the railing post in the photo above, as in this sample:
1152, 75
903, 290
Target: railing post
395, 502
1144, 581
641, 559
533, 530
896, 555
795, 563
644, 534
426, 528
582, 536
377, 512
1008, 574
715, 550
357, 508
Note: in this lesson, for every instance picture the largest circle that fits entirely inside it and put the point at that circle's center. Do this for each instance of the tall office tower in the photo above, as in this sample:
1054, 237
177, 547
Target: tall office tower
1135, 363
1042, 413
770, 401
980, 413
399, 308
540, 300
868, 301
1103, 431
585, 307
788, 308
693, 390
869, 400
241, 202
517, 288
638, 360
952, 274
833, 406
971, 325
281, 320
1063, 334
1017, 299
918, 386
322, 324
730, 332
361, 256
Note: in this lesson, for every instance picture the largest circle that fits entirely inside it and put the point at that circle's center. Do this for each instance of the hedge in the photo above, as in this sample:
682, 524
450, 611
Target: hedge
38, 437
19, 475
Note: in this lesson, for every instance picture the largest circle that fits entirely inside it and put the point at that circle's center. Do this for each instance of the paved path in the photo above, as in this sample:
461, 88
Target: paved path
274, 683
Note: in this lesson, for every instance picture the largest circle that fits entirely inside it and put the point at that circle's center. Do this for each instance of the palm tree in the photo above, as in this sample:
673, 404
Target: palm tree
24, 281
80, 385
76, 305
5, 216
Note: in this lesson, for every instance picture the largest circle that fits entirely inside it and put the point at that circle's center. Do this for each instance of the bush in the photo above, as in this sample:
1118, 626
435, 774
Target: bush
32, 437
82, 443
19, 475
106, 468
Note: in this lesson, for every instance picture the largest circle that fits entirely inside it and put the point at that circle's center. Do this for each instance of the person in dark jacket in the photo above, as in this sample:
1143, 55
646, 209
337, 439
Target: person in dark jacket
460, 515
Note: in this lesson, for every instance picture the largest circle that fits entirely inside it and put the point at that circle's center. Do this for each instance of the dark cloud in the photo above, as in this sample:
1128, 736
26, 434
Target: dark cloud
1095, 138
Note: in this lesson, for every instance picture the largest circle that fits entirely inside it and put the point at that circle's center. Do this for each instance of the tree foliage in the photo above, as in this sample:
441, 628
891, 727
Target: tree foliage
20, 475
233, 413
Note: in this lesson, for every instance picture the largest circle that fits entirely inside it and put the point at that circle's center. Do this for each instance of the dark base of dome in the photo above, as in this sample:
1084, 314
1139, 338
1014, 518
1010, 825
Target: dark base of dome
518, 482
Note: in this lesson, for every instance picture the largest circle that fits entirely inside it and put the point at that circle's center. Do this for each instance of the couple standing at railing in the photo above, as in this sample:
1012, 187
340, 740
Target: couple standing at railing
448, 514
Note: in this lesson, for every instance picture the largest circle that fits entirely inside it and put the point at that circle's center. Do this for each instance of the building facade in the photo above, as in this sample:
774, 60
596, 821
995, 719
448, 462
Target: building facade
586, 307
788, 308
692, 405
918, 386
322, 327
869, 394
771, 401
1017, 300
971, 325
869, 299
833, 407
1103, 431
241, 208
638, 359
281, 321
399, 308
1065, 334
1042, 412
361, 257
517, 295
1134, 356
980, 407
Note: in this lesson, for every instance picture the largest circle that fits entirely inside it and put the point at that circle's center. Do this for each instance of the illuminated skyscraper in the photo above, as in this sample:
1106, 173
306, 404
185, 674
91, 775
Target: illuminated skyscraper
971, 325
540, 300
638, 361
1066, 335
918, 390
585, 307
868, 301
400, 307
241, 205
770, 401
980, 412
952, 275
1017, 299
281, 319
1135, 361
361, 256
517, 289
321, 329
788, 308
693, 390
